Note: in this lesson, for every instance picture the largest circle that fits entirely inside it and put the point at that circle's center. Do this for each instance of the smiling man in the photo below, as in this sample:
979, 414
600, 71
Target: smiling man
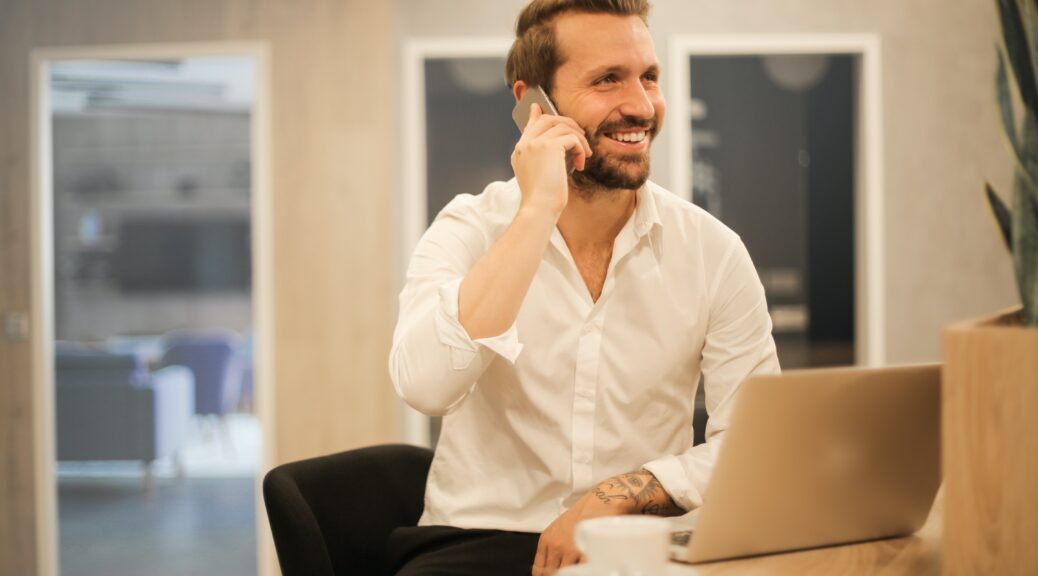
560, 321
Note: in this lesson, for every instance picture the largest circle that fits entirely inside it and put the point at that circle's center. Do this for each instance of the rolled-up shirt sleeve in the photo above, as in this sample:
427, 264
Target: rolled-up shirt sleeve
433, 363
738, 345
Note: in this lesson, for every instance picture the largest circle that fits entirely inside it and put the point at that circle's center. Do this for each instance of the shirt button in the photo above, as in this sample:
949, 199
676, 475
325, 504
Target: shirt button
585, 393
583, 459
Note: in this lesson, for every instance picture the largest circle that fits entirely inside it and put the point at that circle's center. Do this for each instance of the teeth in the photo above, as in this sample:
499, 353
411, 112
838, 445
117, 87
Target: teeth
629, 136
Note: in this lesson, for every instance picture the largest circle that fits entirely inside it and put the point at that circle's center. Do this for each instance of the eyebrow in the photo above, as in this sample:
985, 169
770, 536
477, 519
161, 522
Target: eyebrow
598, 72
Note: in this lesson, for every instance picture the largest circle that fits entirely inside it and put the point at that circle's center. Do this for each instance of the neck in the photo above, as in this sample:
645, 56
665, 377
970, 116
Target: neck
595, 217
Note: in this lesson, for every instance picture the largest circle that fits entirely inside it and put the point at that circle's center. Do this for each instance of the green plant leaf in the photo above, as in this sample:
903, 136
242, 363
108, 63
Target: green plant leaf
1005, 104
1025, 252
1030, 21
1017, 47
1008, 126
1003, 218
1027, 159
1017, 148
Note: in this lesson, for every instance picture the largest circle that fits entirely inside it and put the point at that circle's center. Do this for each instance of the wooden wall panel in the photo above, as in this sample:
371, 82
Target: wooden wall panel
17, 514
333, 184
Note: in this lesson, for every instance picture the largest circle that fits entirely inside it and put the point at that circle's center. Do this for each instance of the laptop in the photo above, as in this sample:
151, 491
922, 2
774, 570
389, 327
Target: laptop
820, 457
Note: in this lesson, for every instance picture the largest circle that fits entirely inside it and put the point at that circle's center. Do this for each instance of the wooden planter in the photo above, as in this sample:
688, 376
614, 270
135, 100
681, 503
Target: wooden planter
990, 447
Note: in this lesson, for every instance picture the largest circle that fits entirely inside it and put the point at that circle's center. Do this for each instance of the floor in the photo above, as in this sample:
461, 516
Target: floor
201, 524
203, 527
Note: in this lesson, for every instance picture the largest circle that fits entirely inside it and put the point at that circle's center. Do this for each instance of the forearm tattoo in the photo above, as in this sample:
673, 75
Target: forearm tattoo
640, 491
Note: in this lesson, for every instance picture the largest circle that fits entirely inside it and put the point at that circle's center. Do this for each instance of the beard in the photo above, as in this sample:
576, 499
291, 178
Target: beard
605, 172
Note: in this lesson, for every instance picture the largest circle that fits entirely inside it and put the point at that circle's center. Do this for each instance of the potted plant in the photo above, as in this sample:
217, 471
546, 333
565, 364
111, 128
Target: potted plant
990, 378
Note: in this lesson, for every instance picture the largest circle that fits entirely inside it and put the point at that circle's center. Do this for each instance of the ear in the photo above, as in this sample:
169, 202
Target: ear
518, 89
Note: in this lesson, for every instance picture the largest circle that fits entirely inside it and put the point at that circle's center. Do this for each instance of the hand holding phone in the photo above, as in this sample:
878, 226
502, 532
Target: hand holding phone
547, 138
521, 113
533, 95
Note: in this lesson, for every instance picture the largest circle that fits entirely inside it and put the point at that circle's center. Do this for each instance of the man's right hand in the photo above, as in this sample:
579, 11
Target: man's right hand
492, 292
539, 160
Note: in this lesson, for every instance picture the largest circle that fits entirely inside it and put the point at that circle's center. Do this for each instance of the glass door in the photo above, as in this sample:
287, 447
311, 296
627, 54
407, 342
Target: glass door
157, 438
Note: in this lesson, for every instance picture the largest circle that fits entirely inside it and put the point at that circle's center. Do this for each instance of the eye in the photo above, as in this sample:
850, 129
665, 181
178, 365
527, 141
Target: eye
651, 76
607, 79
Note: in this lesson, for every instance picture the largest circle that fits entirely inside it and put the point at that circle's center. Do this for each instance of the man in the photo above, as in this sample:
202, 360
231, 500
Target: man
560, 321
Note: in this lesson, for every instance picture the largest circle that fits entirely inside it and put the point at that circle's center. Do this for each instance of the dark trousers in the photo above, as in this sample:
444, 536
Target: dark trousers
436, 550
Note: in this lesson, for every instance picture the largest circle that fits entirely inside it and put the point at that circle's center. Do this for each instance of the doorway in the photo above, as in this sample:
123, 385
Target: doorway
153, 259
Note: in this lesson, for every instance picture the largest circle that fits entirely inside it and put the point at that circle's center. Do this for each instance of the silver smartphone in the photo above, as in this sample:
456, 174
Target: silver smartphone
534, 94
521, 112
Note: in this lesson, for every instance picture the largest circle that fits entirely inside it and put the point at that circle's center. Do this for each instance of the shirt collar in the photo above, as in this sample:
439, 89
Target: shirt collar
646, 218
646, 213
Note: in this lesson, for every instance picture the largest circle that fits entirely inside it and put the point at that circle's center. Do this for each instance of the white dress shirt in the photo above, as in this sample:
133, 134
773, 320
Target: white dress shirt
577, 391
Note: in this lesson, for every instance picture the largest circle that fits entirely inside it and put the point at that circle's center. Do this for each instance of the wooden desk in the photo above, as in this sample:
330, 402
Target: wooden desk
916, 555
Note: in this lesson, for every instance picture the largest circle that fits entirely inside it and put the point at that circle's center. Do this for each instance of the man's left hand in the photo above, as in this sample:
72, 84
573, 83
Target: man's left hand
633, 493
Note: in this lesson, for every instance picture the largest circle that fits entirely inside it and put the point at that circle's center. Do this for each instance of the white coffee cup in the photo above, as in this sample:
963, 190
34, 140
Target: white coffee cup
625, 545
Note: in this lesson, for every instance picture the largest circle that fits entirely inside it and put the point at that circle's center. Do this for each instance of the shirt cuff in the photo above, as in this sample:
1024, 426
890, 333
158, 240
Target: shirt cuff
453, 335
672, 476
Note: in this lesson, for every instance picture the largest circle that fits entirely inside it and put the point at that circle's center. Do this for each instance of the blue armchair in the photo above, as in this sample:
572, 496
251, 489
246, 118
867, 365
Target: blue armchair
212, 358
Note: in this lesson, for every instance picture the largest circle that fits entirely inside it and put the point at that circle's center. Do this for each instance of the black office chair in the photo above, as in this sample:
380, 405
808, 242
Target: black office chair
332, 515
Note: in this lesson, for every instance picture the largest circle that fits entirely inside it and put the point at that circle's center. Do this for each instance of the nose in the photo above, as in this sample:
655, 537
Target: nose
636, 102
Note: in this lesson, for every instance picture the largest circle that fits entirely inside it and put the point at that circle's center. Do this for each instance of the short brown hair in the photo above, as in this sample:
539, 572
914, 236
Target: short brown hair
534, 56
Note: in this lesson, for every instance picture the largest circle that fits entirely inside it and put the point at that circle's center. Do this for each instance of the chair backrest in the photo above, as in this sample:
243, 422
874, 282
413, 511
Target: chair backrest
332, 515
211, 357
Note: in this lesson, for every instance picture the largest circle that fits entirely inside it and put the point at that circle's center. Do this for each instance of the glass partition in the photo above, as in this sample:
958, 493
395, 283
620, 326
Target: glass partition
773, 157
157, 442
